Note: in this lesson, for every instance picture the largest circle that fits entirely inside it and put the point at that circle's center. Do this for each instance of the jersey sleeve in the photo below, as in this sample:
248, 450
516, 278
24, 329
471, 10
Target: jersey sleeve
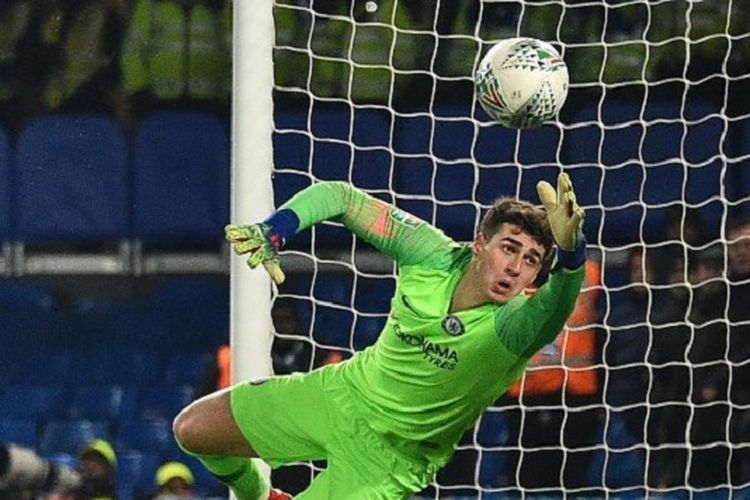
398, 234
535, 322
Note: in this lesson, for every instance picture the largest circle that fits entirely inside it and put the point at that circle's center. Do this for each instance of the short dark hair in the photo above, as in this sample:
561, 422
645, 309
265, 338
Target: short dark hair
529, 218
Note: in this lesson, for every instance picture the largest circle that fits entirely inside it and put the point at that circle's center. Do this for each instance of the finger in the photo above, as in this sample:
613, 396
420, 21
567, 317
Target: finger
243, 247
235, 233
576, 218
274, 270
570, 202
563, 186
546, 194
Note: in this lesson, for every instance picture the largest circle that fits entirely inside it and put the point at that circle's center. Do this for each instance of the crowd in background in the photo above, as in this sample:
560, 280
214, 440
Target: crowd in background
677, 335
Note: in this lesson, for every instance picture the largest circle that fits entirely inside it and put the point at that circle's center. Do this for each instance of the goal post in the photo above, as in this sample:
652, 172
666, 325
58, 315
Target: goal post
656, 137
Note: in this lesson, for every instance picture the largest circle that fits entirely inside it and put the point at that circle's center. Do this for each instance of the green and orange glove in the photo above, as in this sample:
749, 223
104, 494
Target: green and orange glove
262, 247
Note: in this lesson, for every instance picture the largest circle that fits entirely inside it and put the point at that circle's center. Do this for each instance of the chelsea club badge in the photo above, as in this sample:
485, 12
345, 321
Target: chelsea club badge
453, 326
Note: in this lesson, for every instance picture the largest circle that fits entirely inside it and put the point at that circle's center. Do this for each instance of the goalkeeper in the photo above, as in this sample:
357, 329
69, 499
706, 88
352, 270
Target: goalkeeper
459, 333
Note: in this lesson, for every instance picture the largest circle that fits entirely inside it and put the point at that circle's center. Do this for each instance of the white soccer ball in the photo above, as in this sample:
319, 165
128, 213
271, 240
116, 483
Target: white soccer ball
521, 82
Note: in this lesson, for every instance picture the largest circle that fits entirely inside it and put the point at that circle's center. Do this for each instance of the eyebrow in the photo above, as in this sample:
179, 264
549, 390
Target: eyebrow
517, 243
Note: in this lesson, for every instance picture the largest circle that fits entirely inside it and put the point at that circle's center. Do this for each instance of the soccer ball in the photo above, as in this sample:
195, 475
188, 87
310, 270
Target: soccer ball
521, 82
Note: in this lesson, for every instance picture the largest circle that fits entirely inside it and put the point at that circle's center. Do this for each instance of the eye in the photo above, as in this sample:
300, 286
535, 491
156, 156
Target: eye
508, 248
532, 260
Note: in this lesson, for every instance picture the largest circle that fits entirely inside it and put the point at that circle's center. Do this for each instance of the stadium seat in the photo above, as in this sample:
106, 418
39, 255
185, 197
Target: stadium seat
146, 436
113, 402
5, 169
70, 436
123, 366
136, 471
181, 178
186, 367
33, 402
493, 469
493, 429
165, 401
19, 431
55, 156
333, 287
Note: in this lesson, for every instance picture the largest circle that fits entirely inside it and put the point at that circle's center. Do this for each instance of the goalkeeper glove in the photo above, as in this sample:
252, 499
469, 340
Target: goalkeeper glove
261, 244
564, 215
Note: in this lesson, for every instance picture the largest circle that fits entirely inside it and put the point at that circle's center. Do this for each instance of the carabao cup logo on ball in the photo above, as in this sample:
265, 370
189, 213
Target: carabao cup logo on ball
521, 82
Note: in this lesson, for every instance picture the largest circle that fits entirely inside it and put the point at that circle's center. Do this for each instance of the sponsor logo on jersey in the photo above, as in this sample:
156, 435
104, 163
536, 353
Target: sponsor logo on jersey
436, 354
404, 218
453, 326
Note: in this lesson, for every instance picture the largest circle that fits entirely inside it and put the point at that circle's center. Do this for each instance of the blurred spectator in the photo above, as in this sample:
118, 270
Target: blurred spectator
85, 77
15, 18
738, 255
174, 480
58, 56
97, 469
24, 474
288, 354
561, 374
626, 349
177, 54
669, 387
707, 356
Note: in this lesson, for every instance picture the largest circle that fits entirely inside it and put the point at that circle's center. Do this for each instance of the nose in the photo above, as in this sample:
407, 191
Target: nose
513, 267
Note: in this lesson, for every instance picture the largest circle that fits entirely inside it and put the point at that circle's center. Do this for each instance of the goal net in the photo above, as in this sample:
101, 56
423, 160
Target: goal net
646, 392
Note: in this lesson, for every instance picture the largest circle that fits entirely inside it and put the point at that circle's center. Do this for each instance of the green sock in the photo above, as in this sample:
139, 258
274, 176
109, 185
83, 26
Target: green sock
239, 473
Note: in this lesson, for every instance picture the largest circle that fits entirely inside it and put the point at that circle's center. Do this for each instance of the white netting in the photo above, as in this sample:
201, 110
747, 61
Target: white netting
654, 393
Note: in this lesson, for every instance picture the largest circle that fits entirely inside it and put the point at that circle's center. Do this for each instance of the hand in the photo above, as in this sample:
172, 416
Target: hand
254, 239
564, 214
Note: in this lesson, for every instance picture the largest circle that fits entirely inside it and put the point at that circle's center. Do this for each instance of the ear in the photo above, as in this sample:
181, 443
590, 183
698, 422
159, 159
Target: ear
478, 244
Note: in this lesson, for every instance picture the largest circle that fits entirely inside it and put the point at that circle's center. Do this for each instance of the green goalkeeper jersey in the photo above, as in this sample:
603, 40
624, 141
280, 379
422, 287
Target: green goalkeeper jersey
432, 372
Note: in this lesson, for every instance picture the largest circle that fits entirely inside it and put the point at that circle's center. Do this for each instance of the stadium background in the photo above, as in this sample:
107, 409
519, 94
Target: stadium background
115, 290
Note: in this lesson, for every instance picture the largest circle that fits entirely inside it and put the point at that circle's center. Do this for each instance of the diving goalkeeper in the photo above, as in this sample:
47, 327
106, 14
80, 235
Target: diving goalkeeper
459, 333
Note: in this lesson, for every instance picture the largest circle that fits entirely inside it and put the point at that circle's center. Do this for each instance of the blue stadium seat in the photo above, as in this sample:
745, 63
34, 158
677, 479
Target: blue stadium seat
59, 367
186, 367
123, 366
539, 146
33, 402
111, 402
165, 401
493, 430
70, 436
179, 323
495, 145
373, 295
5, 169
333, 287
146, 435
55, 157
136, 470
19, 431
181, 178
453, 139
493, 469
333, 326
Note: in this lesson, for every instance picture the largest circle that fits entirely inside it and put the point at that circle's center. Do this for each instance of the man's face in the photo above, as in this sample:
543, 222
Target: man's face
507, 263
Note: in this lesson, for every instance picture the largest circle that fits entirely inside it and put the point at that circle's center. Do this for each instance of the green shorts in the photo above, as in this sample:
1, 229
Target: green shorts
310, 417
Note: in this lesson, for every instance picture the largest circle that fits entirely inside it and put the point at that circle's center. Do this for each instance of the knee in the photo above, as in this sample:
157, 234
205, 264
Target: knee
184, 428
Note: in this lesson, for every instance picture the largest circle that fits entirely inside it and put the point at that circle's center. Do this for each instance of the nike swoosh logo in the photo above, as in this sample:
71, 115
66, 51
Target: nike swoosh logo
405, 300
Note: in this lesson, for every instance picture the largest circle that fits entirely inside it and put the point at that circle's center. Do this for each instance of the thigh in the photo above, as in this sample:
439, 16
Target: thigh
285, 419
341, 481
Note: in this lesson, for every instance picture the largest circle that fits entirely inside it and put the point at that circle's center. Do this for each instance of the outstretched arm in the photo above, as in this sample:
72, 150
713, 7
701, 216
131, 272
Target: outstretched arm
400, 235
535, 322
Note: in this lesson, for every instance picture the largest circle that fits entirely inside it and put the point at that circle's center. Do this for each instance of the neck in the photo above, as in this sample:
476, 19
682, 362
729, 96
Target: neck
468, 291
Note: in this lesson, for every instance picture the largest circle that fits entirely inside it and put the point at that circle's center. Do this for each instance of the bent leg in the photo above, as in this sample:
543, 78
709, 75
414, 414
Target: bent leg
207, 430
207, 427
